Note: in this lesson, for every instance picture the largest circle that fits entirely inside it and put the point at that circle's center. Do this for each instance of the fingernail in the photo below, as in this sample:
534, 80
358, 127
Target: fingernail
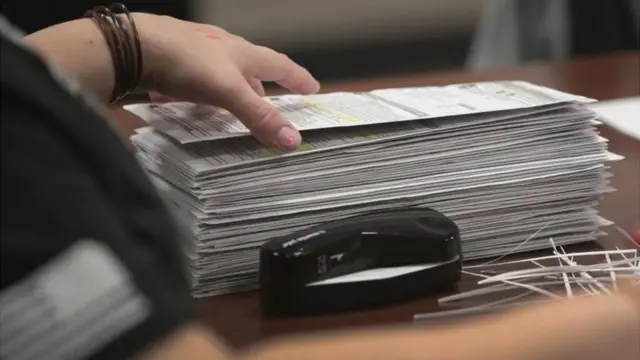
312, 87
308, 87
288, 138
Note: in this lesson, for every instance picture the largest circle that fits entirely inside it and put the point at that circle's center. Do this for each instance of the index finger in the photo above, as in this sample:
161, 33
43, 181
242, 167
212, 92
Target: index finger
262, 118
269, 65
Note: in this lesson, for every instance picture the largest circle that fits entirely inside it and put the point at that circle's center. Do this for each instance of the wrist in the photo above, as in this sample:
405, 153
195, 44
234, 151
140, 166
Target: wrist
150, 51
120, 33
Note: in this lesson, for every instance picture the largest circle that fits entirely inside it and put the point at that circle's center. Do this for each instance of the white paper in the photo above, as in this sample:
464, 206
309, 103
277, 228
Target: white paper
621, 114
189, 123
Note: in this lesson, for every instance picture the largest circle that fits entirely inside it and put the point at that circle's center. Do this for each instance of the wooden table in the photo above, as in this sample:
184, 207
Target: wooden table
237, 317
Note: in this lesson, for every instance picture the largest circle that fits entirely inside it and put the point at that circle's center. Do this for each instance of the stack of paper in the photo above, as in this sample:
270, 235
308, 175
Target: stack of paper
505, 160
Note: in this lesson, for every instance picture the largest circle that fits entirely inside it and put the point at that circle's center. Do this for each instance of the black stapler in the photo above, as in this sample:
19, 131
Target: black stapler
361, 261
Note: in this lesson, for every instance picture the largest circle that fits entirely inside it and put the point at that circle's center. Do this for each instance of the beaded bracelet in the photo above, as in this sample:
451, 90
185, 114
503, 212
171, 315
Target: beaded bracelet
121, 35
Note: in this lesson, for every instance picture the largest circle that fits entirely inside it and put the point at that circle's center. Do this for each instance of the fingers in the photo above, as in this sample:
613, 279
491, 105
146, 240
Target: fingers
257, 86
232, 78
269, 65
264, 121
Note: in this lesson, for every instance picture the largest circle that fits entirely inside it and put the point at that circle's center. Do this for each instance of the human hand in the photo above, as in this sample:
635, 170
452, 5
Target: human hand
206, 64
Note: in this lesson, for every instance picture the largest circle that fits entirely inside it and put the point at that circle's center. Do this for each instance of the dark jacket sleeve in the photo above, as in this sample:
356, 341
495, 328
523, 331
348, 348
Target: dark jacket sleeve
91, 267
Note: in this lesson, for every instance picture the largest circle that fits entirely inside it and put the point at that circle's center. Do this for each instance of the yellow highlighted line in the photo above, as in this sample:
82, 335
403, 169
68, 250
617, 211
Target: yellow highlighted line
368, 136
331, 111
303, 147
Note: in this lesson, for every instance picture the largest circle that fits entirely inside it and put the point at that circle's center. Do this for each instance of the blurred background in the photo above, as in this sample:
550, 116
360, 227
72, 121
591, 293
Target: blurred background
341, 39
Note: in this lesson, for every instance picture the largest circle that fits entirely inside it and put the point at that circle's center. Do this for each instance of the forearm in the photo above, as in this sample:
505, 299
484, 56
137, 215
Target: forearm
191, 342
587, 329
78, 49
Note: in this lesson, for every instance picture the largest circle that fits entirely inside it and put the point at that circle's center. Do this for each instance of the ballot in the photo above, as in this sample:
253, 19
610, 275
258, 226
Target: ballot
508, 161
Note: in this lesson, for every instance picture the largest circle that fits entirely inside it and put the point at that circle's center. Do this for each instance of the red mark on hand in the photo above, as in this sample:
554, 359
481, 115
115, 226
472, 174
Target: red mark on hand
210, 34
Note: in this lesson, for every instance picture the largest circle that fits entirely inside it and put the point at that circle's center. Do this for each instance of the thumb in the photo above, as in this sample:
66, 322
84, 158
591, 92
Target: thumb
262, 118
